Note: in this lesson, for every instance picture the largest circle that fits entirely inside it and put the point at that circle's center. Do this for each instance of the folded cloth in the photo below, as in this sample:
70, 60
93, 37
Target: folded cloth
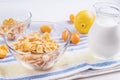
77, 58
69, 64
92, 73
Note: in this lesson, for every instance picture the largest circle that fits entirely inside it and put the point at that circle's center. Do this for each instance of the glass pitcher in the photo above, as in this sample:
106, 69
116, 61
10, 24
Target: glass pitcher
104, 37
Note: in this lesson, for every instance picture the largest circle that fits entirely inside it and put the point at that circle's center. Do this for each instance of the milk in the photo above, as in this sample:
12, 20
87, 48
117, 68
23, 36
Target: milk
103, 37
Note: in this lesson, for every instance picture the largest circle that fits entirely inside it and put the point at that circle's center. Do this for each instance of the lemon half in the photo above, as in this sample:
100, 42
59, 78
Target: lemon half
83, 21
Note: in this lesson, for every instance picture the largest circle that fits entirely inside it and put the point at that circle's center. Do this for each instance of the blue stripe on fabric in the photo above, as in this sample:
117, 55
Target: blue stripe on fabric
8, 56
69, 50
102, 64
73, 49
75, 45
52, 73
83, 36
63, 71
10, 60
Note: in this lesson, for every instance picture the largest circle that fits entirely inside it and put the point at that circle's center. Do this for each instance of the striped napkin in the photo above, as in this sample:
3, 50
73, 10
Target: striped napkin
77, 58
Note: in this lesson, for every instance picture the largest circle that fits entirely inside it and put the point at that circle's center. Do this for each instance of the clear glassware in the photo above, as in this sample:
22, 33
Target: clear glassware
22, 18
103, 37
34, 61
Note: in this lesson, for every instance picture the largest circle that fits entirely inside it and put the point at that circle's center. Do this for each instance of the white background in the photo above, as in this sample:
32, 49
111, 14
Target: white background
56, 10
50, 10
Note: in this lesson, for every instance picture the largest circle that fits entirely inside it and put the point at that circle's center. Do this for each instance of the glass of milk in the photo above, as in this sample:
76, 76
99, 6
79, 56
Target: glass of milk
104, 35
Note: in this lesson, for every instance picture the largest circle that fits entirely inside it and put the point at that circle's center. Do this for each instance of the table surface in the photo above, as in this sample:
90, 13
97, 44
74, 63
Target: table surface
57, 10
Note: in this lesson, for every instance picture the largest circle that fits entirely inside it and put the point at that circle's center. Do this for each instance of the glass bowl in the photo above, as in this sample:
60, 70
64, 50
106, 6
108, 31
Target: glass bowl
35, 61
14, 18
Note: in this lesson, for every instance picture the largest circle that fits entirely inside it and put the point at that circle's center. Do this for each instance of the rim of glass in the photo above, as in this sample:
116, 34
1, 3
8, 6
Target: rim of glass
20, 52
114, 6
24, 21
20, 9
30, 15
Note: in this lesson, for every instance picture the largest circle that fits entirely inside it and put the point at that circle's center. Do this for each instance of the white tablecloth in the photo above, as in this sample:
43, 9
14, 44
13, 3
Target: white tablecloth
56, 10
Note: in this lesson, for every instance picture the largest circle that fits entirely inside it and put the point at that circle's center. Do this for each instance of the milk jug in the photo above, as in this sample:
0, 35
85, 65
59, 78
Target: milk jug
104, 35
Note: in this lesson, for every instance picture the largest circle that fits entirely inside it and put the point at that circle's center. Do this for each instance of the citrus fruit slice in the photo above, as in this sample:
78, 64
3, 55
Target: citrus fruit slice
83, 21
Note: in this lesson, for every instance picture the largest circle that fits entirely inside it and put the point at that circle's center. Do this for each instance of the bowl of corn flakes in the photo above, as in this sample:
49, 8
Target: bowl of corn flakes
40, 46
18, 18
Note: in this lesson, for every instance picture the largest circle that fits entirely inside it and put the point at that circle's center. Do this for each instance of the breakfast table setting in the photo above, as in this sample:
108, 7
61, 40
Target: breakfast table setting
59, 40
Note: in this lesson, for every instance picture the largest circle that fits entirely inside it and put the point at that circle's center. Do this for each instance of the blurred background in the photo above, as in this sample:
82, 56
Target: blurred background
51, 10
